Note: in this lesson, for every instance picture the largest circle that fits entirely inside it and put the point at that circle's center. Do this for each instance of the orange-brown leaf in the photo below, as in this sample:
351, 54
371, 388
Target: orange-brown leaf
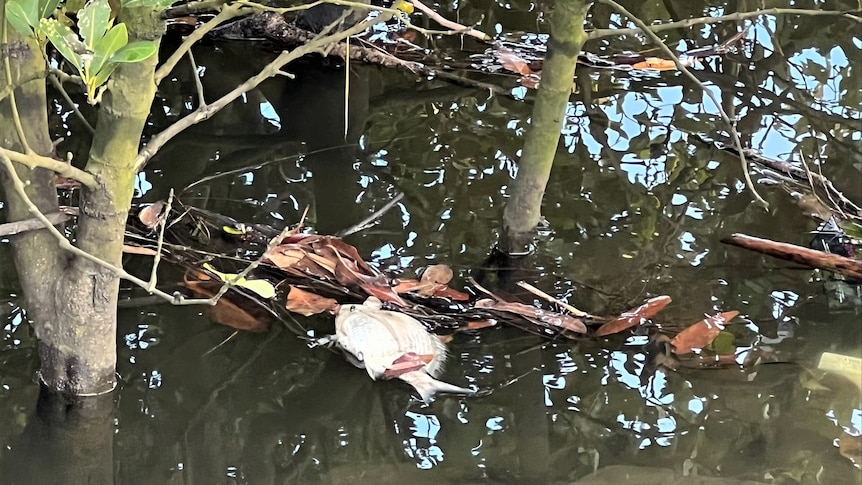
150, 215
511, 62
440, 274
233, 309
404, 286
308, 303
446, 292
285, 255
850, 447
382, 293
129, 249
635, 316
700, 334
480, 324
655, 63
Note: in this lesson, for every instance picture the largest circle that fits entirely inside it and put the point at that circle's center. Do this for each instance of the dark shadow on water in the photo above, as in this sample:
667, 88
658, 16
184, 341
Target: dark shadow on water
66, 441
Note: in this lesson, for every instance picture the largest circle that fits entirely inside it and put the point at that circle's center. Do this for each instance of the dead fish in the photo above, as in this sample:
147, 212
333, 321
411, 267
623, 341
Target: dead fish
392, 345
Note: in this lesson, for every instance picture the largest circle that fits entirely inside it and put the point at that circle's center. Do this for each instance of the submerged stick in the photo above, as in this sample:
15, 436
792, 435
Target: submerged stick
849, 267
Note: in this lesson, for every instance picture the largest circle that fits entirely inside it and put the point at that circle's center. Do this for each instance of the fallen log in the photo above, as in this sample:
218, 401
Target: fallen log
849, 267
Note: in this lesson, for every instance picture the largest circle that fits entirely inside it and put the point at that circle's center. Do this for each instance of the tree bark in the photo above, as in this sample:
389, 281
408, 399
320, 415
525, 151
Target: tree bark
71, 301
523, 210
37, 255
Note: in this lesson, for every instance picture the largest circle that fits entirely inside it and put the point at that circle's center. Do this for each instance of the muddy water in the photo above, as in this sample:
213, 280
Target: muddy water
635, 208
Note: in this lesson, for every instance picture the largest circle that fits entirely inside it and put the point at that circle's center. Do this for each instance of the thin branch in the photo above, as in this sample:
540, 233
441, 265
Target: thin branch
203, 113
370, 220
55, 81
730, 123
163, 221
17, 227
456, 27
177, 298
34, 160
198, 84
306, 6
541, 294
599, 33
227, 13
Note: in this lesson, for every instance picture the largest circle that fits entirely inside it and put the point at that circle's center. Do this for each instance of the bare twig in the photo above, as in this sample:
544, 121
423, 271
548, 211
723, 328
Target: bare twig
198, 84
456, 27
176, 299
34, 160
368, 221
541, 294
163, 221
227, 13
205, 112
682, 68
599, 33
12, 228
55, 81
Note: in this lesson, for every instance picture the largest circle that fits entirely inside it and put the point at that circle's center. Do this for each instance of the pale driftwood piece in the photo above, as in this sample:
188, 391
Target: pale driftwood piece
12, 228
849, 267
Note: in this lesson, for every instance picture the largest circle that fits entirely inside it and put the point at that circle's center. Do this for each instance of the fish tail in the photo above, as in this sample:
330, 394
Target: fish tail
428, 386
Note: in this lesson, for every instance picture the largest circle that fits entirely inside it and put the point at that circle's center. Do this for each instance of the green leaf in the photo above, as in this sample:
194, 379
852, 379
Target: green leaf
66, 42
136, 51
93, 21
101, 77
262, 287
105, 47
23, 15
47, 7
722, 344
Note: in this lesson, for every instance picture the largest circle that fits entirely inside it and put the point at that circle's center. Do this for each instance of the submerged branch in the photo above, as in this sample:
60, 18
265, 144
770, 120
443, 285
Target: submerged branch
682, 68
790, 252
203, 113
600, 33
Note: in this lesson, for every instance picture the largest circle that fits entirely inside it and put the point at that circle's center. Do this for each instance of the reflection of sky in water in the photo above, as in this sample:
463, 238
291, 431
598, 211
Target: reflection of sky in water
422, 445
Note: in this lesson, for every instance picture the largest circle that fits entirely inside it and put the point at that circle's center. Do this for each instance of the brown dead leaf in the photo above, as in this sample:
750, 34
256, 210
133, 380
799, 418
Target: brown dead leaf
531, 81
382, 292
66, 183
700, 334
284, 255
440, 274
850, 447
446, 292
129, 249
233, 309
480, 324
633, 317
404, 286
537, 315
150, 215
511, 62
307, 303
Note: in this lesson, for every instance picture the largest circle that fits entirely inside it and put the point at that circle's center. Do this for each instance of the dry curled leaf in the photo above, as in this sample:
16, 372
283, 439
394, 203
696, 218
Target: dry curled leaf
700, 334
440, 274
233, 309
633, 317
307, 303
511, 62
151, 214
